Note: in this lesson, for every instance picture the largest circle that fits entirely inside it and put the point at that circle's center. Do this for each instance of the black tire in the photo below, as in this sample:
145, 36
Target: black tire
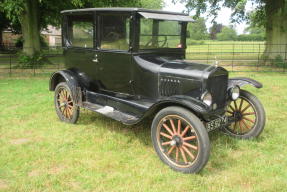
251, 123
196, 130
65, 107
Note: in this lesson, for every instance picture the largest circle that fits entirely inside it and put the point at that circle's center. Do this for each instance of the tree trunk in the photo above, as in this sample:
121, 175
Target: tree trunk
31, 27
276, 29
1, 38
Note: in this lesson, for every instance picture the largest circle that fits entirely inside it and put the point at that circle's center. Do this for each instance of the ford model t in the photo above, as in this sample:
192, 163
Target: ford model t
129, 63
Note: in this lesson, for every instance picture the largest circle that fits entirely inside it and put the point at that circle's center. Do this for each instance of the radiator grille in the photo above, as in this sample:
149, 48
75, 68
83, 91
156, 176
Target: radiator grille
169, 86
217, 86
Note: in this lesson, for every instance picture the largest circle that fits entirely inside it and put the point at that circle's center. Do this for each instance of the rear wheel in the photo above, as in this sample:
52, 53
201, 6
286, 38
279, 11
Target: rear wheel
249, 114
66, 109
180, 139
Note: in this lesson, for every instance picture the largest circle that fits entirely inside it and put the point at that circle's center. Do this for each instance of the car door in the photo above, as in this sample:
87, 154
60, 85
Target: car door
114, 56
79, 49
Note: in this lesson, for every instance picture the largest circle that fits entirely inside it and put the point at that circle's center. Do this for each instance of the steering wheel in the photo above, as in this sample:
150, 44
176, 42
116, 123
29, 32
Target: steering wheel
163, 44
112, 36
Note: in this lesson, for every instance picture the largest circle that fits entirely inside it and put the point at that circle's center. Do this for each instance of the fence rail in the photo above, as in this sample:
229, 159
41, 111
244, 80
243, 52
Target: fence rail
241, 57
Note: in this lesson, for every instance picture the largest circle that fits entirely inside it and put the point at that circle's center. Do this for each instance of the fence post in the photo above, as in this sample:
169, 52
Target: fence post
258, 58
207, 53
285, 60
10, 65
34, 66
232, 56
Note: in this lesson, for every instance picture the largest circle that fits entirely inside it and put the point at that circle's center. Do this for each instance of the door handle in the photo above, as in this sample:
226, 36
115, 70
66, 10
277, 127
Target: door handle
95, 60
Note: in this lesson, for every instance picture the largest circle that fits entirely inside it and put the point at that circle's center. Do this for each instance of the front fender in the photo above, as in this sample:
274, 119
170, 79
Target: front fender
196, 106
241, 81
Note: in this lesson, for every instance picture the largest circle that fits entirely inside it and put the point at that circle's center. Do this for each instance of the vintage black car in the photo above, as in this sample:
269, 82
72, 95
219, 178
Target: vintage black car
129, 64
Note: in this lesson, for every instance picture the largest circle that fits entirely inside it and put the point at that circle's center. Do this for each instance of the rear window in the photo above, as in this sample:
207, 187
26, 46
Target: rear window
81, 31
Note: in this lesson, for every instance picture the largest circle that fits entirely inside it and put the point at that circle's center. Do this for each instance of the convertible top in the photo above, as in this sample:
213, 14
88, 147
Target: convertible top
146, 13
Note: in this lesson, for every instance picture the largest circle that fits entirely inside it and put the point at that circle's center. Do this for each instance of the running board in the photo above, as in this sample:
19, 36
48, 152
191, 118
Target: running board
111, 112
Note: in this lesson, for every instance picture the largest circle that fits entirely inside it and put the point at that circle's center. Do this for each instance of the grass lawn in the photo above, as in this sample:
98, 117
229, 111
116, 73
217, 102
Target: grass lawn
40, 153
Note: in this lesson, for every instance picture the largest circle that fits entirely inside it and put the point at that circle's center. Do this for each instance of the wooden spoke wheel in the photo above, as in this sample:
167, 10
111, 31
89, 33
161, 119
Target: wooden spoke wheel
249, 116
65, 107
180, 139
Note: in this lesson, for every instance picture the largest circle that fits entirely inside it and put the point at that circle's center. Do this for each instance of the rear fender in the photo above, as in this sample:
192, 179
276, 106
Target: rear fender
241, 81
71, 79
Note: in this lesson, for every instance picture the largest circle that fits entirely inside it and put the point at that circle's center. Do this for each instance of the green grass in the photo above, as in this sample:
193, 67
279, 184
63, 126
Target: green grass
40, 153
226, 50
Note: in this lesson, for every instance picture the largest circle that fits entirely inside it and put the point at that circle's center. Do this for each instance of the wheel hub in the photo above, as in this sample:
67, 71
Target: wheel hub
176, 140
237, 115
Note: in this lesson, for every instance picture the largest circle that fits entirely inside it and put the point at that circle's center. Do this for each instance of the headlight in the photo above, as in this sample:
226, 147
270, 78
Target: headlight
234, 92
207, 98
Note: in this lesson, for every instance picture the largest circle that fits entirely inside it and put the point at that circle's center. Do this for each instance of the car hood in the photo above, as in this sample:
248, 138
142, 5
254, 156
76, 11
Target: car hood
173, 67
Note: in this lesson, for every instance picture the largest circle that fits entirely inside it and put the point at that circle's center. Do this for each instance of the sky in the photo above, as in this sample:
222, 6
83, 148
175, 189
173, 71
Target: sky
223, 15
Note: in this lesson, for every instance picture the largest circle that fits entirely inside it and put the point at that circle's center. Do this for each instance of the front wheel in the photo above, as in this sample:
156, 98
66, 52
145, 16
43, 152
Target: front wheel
180, 139
249, 116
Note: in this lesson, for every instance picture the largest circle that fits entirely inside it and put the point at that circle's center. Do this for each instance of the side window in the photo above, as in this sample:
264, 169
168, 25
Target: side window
81, 31
115, 32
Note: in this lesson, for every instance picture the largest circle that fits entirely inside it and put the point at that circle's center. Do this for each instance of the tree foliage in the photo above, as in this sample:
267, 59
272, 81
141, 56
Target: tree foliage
227, 34
197, 29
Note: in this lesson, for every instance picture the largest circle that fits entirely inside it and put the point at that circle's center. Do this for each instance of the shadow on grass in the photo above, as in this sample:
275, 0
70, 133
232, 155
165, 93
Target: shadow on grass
224, 149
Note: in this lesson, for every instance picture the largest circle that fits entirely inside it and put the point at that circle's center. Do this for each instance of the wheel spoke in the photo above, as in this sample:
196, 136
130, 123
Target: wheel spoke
235, 105
70, 112
248, 119
189, 138
65, 112
170, 150
185, 130
167, 128
166, 143
245, 124
188, 152
183, 155
231, 107
172, 125
189, 145
251, 113
245, 108
234, 125
165, 135
178, 126
241, 128
240, 105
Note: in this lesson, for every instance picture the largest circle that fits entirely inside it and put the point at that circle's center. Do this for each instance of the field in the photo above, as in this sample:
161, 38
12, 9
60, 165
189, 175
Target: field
40, 153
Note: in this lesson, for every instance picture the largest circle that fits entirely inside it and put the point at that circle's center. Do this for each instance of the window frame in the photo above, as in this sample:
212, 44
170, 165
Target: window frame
67, 19
138, 31
99, 19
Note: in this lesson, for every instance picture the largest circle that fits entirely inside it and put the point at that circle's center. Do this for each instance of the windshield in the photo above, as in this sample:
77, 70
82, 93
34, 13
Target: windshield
159, 34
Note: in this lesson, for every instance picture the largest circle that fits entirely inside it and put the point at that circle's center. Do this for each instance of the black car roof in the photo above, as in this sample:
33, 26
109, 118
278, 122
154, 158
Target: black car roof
121, 9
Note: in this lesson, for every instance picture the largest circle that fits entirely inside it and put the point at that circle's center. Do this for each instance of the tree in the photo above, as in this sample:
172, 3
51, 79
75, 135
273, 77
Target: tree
4, 23
214, 30
227, 34
197, 29
270, 13
34, 15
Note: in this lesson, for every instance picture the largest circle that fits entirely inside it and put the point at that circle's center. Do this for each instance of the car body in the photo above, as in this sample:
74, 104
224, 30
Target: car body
129, 63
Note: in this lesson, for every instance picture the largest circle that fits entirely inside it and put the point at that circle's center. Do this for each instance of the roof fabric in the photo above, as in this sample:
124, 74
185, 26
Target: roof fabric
170, 17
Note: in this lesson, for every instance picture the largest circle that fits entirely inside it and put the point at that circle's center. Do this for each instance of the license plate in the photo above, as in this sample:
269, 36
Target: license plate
216, 123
